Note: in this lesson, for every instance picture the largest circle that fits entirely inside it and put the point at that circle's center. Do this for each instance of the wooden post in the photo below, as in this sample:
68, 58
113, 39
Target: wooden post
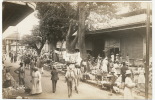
147, 51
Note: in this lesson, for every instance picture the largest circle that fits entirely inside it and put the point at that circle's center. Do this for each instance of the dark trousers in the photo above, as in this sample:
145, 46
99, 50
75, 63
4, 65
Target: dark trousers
123, 78
54, 82
12, 59
69, 84
21, 81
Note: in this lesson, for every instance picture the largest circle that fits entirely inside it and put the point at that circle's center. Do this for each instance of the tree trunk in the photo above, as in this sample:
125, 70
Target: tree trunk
70, 44
39, 49
81, 30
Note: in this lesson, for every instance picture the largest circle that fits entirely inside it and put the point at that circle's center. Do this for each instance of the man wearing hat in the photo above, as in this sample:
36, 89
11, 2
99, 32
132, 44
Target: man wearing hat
54, 78
70, 76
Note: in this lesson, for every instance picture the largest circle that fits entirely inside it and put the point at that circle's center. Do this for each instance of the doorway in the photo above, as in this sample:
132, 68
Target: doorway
114, 50
98, 47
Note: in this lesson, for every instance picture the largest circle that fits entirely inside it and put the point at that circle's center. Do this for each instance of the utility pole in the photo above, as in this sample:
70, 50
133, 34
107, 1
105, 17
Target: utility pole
147, 51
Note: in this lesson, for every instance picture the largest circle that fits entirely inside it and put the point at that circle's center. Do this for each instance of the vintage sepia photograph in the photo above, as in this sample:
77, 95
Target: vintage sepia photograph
76, 50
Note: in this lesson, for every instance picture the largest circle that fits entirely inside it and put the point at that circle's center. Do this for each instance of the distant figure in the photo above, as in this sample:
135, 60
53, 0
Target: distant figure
141, 77
120, 58
15, 57
27, 62
105, 65
54, 79
32, 65
112, 57
127, 59
36, 81
12, 57
10, 54
123, 71
117, 58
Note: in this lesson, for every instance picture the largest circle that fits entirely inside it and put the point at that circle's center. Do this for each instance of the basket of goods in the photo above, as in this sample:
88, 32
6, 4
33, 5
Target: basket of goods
27, 90
21, 89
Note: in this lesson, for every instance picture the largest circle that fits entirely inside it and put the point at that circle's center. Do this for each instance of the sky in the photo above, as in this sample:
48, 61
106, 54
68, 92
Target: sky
26, 25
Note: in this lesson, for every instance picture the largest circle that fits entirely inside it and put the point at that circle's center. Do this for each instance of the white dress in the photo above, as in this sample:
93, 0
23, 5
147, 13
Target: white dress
128, 93
141, 77
36, 82
104, 65
112, 58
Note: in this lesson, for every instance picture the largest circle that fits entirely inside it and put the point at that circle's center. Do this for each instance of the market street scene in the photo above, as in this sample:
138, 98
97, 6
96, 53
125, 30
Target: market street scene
76, 50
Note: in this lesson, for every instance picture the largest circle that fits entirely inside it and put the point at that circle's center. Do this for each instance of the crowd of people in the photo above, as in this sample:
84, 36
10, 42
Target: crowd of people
115, 74
112, 72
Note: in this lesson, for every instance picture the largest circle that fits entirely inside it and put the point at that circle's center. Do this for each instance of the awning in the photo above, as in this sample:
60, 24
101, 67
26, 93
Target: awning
14, 12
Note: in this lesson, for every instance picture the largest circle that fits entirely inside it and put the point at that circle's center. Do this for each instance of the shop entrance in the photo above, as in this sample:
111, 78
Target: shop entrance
114, 50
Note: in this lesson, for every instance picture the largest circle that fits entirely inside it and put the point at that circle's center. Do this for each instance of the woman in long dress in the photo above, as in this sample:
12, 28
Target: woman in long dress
36, 81
129, 85
104, 67
141, 78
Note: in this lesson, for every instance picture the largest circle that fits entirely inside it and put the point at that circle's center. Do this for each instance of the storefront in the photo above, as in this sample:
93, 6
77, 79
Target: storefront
125, 42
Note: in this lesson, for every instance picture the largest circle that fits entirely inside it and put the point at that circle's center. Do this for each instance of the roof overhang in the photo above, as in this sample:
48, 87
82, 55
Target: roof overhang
14, 12
117, 29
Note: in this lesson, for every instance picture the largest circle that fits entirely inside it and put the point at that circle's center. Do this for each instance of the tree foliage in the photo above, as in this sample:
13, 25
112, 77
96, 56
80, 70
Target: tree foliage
54, 19
36, 40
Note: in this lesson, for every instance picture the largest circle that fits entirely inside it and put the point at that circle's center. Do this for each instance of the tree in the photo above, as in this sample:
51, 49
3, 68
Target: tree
108, 9
59, 20
55, 19
36, 40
